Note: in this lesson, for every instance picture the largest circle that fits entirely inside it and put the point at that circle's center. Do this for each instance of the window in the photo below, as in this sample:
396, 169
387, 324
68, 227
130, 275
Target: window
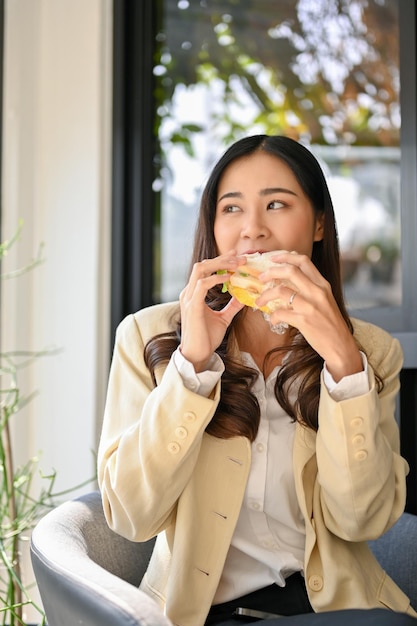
192, 76
326, 73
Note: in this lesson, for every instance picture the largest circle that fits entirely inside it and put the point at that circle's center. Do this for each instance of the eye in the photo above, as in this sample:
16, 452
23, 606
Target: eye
276, 204
231, 208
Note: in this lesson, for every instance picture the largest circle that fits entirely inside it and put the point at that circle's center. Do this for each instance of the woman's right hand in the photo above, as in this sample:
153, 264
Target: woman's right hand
202, 329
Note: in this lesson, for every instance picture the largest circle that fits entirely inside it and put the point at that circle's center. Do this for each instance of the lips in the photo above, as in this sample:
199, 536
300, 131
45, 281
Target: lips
254, 252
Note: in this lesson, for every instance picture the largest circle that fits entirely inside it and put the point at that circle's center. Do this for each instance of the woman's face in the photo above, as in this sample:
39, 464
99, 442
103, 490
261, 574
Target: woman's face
261, 207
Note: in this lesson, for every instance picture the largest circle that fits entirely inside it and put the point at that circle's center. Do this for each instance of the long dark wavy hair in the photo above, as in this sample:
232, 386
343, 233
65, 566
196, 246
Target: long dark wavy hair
238, 411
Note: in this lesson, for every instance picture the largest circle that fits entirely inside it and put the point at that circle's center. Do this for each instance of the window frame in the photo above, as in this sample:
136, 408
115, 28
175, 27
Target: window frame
133, 199
1, 92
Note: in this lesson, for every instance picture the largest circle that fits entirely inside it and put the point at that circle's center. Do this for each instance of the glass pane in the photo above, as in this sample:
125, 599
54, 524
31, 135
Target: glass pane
325, 72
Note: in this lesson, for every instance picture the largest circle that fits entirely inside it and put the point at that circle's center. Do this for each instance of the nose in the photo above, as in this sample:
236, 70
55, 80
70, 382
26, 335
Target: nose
254, 227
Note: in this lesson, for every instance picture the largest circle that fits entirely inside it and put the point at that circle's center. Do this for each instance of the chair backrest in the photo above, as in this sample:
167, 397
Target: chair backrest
396, 551
86, 525
86, 573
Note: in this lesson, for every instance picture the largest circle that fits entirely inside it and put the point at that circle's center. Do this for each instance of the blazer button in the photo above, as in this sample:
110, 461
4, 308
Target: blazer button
181, 432
356, 422
358, 440
189, 416
361, 455
174, 447
315, 582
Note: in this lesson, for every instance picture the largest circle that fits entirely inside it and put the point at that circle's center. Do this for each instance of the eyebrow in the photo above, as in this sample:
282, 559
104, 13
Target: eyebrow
263, 192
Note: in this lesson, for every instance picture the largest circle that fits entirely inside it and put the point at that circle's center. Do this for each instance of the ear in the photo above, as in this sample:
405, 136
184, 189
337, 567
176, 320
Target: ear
319, 228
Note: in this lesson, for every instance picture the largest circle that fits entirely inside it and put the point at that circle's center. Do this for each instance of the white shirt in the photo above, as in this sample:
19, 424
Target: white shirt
268, 542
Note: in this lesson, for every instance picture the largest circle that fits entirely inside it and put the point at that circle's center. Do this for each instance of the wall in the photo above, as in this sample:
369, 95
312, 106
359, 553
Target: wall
56, 176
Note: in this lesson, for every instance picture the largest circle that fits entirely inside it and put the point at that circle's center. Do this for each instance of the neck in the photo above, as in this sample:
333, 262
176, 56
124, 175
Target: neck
254, 335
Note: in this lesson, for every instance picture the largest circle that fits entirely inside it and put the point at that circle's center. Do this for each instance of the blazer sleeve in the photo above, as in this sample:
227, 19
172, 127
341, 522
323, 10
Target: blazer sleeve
361, 474
150, 441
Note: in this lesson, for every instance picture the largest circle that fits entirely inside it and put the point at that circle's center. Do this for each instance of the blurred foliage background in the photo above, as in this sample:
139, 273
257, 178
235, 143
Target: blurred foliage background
325, 71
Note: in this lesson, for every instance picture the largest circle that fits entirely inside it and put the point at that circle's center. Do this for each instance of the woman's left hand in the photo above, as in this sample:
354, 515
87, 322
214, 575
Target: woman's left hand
313, 310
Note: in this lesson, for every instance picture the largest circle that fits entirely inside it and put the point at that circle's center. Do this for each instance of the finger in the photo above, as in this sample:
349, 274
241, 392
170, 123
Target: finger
291, 300
195, 293
289, 262
231, 309
222, 262
278, 296
292, 278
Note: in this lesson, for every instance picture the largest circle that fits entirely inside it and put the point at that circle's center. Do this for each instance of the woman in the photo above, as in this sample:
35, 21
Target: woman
262, 461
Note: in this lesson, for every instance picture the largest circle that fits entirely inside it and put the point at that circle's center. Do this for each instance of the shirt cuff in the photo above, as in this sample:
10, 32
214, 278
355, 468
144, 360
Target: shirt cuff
203, 382
349, 386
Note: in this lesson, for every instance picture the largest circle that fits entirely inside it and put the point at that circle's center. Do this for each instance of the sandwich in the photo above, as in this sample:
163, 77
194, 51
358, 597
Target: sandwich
245, 285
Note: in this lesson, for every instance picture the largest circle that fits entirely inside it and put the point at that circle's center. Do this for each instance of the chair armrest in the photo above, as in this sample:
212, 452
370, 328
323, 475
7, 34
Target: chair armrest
396, 552
74, 588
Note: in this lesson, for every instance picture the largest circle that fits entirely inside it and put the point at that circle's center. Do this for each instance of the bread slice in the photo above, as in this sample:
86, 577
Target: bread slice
245, 285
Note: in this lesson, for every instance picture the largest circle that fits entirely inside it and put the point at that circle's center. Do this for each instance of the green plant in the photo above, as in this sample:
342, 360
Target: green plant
19, 510
21, 503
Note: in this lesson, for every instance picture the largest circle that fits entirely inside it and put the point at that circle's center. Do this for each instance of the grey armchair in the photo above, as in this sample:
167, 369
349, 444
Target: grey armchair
88, 575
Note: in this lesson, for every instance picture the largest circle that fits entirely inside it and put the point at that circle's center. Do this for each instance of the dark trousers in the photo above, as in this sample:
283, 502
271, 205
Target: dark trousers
347, 617
292, 603
289, 600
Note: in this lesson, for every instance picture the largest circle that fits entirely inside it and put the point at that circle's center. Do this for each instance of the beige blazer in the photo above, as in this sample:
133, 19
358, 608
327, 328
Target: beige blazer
161, 474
